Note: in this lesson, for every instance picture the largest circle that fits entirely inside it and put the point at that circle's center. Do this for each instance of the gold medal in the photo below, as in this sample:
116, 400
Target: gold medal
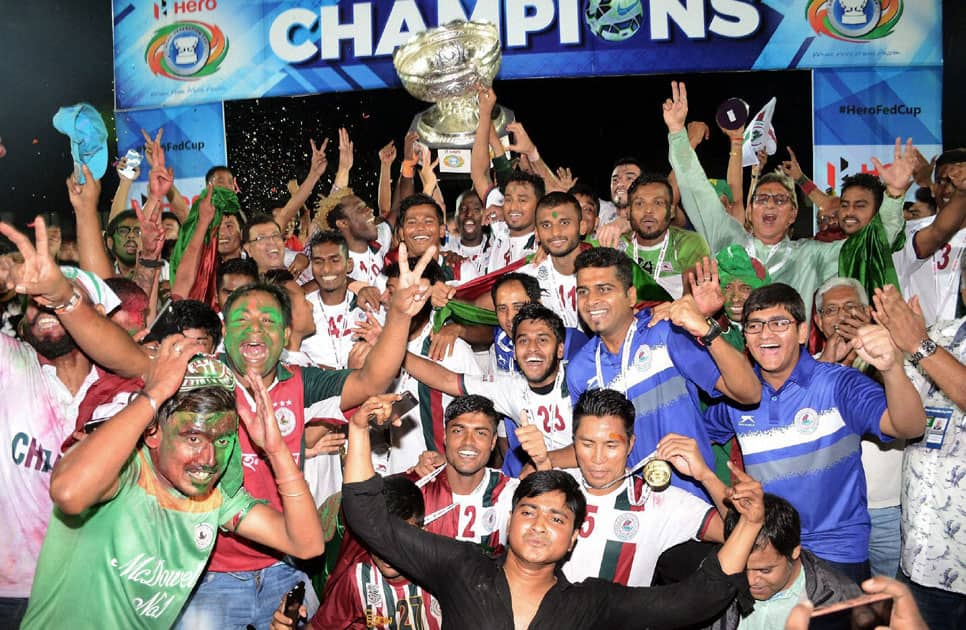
657, 474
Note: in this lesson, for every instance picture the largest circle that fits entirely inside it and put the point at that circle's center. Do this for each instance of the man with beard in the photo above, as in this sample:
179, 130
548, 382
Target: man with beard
45, 378
536, 401
626, 170
122, 240
560, 229
366, 240
243, 584
664, 251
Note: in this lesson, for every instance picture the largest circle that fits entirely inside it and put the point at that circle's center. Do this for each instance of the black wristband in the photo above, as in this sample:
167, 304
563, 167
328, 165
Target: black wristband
151, 264
712, 333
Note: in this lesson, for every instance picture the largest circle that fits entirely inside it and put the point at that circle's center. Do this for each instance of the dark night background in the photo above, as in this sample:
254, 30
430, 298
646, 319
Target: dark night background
58, 53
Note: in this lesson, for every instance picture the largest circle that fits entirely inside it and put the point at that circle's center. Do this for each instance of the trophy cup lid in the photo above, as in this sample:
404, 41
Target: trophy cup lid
449, 60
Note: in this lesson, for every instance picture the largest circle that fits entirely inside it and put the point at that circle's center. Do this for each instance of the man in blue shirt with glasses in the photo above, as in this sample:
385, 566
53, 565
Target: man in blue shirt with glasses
802, 439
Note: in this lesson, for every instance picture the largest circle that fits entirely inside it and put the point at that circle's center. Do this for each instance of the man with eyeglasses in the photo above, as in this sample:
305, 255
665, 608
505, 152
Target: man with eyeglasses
802, 439
842, 307
804, 263
265, 244
123, 239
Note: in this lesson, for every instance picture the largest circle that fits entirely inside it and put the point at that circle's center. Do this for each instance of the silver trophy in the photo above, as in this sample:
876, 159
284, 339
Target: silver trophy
444, 66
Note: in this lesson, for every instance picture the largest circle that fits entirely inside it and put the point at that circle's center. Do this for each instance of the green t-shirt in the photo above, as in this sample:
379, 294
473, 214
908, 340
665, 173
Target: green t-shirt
130, 562
684, 248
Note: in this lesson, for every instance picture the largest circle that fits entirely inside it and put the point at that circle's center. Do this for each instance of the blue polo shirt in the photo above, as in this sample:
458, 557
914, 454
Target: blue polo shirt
666, 368
802, 443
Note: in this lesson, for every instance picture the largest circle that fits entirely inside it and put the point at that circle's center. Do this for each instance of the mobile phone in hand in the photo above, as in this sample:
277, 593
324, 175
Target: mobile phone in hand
865, 612
293, 601
399, 408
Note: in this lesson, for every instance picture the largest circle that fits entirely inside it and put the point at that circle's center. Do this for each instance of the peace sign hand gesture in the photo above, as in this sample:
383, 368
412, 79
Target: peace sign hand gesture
409, 298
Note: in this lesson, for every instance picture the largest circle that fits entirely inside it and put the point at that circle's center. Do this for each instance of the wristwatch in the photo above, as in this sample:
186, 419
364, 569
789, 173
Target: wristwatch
713, 332
926, 349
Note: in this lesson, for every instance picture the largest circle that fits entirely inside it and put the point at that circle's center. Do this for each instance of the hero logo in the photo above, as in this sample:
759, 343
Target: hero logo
299, 35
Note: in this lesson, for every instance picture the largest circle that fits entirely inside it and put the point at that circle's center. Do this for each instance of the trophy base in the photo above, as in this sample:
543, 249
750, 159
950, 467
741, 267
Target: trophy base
439, 129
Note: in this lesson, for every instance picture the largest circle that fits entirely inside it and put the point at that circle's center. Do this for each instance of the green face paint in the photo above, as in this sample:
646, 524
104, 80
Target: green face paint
122, 244
255, 333
195, 450
554, 214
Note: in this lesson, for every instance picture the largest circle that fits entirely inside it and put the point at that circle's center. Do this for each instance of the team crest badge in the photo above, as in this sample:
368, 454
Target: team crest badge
204, 536
806, 421
626, 526
543, 274
285, 418
642, 358
373, 594
489, 520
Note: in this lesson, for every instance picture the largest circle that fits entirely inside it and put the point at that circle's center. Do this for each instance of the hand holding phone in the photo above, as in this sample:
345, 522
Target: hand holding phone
293, 601
399, 408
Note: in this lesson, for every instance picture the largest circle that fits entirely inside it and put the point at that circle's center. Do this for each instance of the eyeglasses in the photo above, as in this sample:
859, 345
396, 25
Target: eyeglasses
124, 230
778, 325
848, 307
265, 238
779, 199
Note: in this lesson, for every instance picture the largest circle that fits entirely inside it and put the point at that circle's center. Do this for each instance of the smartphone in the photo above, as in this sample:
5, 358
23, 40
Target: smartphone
865, 612
90, 426
399, 408
293, 601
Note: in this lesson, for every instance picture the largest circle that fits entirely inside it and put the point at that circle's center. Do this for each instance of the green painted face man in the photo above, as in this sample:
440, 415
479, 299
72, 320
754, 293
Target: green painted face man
255, 333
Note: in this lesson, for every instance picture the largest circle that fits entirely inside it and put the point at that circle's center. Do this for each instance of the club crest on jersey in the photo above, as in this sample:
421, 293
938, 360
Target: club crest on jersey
806, 421
626, 526
204, 536
642, 358
373, 594
285, 418
543, 274
489, 520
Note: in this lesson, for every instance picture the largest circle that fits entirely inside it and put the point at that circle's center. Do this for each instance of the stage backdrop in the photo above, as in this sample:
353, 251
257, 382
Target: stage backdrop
859, 113
176, 52
193, 141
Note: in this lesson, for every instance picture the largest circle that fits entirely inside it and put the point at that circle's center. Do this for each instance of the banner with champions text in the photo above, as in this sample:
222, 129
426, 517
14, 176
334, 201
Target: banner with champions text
193, 141
858, 114
177, 52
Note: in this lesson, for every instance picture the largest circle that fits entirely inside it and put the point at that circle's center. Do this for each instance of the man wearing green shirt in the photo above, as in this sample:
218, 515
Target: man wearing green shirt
133, 527
781, 573
660, 249
802, 264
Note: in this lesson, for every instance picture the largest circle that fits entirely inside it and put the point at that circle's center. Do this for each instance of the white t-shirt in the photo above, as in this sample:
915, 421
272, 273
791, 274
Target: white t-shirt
323, 473
36, 415
507, 249
474, 258
423, 426
367, 266
935, 279
558, 291
332, 341
626, 531
511, 395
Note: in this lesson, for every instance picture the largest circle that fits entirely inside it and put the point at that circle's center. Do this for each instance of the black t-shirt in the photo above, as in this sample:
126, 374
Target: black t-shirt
474, 594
